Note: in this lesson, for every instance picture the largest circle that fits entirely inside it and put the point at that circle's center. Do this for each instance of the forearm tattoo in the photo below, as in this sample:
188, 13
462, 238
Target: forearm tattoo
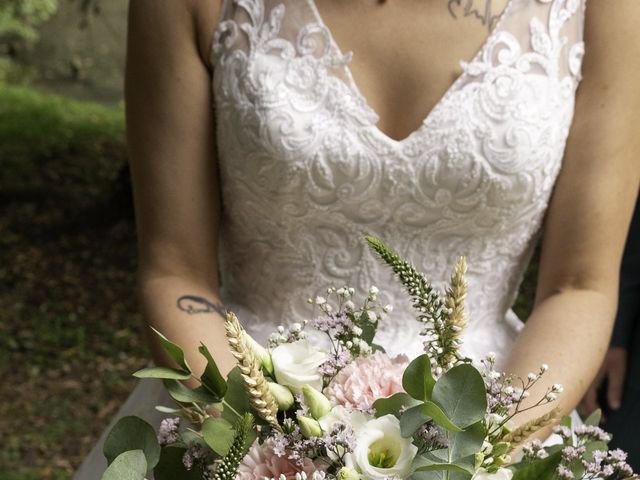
479, 9
194, 305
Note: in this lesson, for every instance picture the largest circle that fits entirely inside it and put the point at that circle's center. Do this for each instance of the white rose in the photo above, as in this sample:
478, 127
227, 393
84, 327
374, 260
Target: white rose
501, 474
296, 364
381, 452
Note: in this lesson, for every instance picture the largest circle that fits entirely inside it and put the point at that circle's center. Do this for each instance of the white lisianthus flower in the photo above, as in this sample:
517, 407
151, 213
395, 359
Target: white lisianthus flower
296, 364
381, 452
356, 419
500, 474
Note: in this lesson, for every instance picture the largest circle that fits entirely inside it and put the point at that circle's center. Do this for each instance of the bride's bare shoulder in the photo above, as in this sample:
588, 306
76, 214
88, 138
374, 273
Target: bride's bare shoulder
195, 19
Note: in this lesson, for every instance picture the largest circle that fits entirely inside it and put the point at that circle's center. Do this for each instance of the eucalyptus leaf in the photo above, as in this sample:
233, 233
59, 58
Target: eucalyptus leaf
174, 351
433, 475
431, 410
417, 379
236, 397
394, 404
539, 469
170, 466
211, 377
129, 465
219, 434
462, 395
594, 418
162, 372
183, 394
411, 420
566, 422
132, 433
468, 442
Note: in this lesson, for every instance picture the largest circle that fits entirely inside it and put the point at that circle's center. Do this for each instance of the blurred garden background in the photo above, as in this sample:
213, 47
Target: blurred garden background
70, 331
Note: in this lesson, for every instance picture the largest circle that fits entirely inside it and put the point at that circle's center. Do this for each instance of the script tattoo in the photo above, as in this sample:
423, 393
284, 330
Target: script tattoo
476, 9
193, 305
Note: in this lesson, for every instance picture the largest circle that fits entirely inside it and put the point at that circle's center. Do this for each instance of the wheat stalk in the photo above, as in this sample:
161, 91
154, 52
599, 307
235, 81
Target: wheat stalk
519, 435
456, 319
254, 382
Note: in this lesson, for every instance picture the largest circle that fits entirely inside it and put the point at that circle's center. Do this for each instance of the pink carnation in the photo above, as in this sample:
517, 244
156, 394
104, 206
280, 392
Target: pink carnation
261, 462
362, 382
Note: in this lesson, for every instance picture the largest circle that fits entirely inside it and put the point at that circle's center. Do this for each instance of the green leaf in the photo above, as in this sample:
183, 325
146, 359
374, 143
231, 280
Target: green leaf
429, 463
430, 409
236, 397
417, 379
538, 470
132, 433
411, 420
211, 378
368, 329
129, 465
174, 351
468, 442
394, 404
219, 435
594, 418
462, 394
170, 466
414, 417
162, 372
181, 393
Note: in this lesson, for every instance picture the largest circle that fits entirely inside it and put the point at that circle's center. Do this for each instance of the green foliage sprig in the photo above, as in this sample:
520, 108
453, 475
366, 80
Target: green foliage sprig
227, 468
443, 322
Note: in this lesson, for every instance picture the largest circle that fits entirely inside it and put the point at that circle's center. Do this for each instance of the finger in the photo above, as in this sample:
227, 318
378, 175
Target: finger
590, 401
615, 388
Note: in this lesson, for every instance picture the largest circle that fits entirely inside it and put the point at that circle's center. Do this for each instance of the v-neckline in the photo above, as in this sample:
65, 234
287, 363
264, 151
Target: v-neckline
452, 87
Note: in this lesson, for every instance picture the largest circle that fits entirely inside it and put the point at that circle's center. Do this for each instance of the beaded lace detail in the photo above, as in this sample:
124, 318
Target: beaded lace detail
305, 171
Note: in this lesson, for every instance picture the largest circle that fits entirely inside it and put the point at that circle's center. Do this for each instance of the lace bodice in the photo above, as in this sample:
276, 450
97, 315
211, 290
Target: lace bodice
305, 171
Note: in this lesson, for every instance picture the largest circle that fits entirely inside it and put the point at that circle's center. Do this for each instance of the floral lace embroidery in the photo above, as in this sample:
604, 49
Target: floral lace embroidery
305, 172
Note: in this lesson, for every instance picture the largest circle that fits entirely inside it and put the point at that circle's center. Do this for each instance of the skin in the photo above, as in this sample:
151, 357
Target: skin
614, 370
173, 161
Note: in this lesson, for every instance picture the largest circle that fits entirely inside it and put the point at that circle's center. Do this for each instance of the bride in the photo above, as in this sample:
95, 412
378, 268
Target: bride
334, 119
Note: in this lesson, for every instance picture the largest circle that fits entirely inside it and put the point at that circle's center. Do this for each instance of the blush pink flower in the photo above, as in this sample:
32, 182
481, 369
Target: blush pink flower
365, 380
261, 462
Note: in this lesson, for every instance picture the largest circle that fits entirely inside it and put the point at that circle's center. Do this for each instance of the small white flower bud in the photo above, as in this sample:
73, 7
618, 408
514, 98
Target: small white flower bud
309, 427
387, 308
532, 376
551, 396
373, 290
557, 388
318, 404
349, 305
320, 300
544, 367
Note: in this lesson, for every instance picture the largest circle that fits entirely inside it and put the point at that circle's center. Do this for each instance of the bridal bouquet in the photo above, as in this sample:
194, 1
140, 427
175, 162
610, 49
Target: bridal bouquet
293, 410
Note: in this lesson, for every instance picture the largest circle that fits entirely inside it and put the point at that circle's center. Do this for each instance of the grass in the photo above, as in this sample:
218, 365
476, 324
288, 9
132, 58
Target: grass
70, 331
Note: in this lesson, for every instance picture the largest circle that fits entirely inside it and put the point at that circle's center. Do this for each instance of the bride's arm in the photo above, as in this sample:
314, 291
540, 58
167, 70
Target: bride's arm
589, 212
170, 133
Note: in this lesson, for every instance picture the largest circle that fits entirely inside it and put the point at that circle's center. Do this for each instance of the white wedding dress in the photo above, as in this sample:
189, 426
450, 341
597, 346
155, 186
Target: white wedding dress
306, 173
